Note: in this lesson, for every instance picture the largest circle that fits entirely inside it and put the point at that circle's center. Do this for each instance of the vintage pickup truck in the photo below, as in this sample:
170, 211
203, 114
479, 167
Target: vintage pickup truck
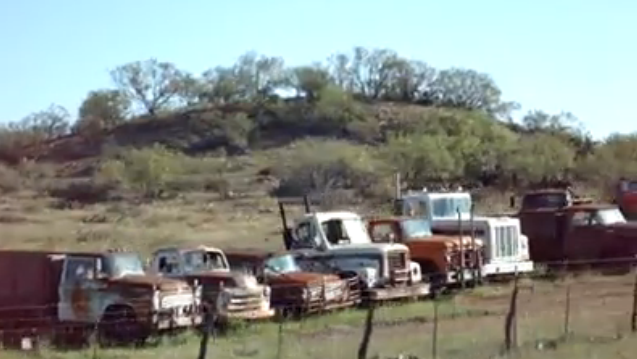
341, 239
576, 230
444, 262
227, 294
295, 291
451, 212
66, 295
626, 198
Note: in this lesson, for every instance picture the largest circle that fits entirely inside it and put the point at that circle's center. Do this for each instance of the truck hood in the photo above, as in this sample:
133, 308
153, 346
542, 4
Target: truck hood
230, 279
447, 241
629, 227
163, 283
368, 247
302, 278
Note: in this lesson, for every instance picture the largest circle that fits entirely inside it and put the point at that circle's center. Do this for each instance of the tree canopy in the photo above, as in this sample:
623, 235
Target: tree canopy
444, 125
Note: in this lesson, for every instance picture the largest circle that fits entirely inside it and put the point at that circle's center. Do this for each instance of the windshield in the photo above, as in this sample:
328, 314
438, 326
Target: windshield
123, 264
282, 264
347, 230
610, 216
202, 261
414, 228
447, 207
545, 200
356, 231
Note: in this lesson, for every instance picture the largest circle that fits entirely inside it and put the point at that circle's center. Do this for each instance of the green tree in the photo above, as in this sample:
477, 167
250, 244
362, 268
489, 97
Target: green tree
150, 83
103, 109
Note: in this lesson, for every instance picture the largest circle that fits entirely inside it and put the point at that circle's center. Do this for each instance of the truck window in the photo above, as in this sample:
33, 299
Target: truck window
168, 265
334, 231
382, 232
449, 207
582, 218
79, 269
305, 234
414, 207
545, 200
201, 261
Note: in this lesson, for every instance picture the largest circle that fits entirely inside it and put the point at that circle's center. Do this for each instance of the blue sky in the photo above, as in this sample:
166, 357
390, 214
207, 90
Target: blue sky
577, 56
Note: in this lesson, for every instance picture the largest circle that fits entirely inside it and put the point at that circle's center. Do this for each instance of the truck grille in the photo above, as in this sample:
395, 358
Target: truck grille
397, 267
245, 302
470, 258
506, 241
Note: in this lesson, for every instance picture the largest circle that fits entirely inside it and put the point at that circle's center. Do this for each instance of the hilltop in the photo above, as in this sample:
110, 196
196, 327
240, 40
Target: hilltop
353, 122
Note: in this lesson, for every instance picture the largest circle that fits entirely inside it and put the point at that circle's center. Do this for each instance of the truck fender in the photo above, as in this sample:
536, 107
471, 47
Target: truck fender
429, 270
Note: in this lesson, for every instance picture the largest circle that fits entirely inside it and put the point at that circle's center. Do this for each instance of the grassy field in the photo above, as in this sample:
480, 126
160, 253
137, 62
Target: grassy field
471, 324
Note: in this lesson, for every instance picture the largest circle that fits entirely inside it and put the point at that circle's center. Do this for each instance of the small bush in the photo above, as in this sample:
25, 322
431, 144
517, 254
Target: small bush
10, 180
82, 192
145, 171
312, 166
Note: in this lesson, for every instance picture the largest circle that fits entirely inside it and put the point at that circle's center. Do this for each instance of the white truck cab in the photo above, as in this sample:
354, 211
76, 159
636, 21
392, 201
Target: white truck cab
341, 238
506, 248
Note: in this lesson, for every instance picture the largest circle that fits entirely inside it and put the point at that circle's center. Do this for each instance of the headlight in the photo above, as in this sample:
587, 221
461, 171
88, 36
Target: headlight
267, 291
305, 294
524, 247
369, 276
415, 273
198, 293
156, 299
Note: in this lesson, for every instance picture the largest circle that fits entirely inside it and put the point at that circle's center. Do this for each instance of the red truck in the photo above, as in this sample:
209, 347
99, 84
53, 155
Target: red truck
66, 297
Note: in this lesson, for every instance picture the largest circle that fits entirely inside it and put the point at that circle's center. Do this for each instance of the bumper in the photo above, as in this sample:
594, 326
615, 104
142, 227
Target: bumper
455, 276
407, 291
333, 306
249, 314
507, 268
166, 321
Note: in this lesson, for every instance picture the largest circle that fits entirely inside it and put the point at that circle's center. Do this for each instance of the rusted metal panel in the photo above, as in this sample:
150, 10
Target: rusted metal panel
28, 289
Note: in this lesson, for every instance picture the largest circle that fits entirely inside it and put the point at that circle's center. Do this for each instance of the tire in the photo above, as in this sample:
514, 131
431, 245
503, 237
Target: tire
119, 326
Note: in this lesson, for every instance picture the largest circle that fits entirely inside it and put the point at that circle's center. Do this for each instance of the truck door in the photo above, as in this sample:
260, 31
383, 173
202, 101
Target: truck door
79, 299
168, 263
585, 236
306, 236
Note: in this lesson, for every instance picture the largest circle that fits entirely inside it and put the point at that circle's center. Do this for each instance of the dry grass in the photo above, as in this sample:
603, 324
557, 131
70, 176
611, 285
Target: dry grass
599, 310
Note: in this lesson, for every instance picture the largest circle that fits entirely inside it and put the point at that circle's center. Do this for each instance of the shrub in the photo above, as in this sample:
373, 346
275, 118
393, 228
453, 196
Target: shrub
145, 171
314, 166
10, 180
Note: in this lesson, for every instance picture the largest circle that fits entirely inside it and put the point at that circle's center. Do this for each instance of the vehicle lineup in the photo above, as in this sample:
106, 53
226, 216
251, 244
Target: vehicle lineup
329, 260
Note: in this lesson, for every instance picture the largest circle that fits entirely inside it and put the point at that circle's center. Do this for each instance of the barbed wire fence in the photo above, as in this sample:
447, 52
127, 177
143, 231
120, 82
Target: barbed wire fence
532, 312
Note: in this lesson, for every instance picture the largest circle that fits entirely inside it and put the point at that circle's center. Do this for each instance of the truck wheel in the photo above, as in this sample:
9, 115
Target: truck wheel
119, 326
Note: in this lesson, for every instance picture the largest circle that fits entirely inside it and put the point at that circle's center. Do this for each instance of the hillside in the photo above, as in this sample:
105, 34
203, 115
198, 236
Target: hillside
353, 122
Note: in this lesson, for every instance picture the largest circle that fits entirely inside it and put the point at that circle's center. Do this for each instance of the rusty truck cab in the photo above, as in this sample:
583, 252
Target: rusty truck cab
441, 257
295, 289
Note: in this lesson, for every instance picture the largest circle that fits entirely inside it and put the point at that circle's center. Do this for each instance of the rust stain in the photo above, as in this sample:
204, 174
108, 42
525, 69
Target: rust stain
80, 302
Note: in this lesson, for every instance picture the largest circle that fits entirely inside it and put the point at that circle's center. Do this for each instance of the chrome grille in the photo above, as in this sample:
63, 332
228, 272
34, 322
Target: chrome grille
397, 260
245, 302
506, 241
397, 266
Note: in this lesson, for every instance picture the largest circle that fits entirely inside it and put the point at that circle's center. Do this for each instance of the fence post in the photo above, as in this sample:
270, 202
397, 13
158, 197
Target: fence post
476, 273
510, 324
462, 263
279, 347
434, 336
633, 317
209, 319
567, 310
367, 333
